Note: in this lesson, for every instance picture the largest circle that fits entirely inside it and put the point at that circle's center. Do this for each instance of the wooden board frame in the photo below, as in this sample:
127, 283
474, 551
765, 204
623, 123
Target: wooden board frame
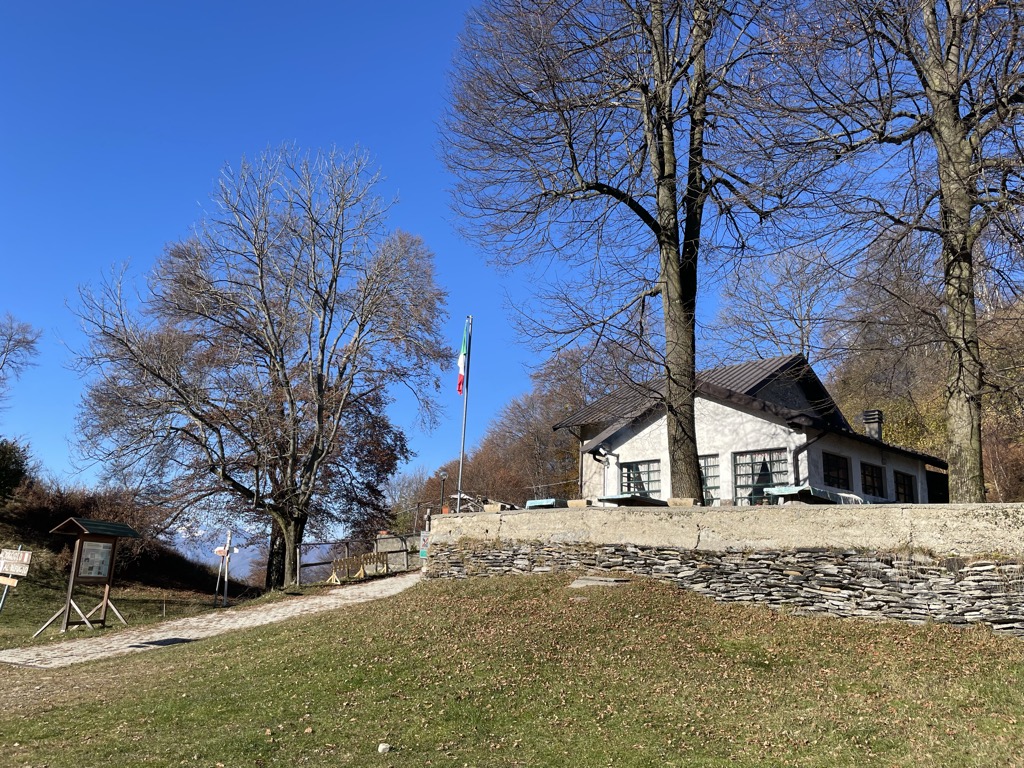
92, 563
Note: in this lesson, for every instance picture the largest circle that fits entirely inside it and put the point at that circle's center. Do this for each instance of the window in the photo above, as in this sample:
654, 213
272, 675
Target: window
642, 478
872, 480
836, 470
905, 487
709, 478
756, 470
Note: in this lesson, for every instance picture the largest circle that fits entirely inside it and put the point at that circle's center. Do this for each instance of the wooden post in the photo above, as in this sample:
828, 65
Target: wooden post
106, 588
71, 584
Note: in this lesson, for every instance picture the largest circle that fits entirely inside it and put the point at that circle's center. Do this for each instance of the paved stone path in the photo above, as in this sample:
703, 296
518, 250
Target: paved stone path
197, 627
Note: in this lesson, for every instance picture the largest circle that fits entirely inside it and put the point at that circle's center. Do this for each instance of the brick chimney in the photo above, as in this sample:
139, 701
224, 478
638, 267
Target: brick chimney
873, 423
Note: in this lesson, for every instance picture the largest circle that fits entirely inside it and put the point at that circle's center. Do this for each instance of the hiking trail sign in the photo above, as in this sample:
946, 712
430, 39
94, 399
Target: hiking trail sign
13, 562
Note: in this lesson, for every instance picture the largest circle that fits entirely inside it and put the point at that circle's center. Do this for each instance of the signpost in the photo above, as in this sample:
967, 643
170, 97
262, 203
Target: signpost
13, 562
15, 558
224, 553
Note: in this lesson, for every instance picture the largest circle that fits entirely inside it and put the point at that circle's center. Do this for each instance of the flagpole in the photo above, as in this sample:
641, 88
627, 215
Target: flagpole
465, 407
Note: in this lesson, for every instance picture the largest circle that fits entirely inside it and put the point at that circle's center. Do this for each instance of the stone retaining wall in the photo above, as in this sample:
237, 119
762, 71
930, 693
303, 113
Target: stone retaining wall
905, 582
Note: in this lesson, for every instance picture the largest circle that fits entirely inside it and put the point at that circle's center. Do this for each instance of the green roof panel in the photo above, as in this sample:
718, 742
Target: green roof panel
75, 526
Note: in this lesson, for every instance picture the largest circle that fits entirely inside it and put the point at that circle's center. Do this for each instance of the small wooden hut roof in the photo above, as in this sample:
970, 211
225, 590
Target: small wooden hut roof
76, 526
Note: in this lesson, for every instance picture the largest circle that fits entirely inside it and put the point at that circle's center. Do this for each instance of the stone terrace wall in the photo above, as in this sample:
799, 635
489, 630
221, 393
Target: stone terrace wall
952, 564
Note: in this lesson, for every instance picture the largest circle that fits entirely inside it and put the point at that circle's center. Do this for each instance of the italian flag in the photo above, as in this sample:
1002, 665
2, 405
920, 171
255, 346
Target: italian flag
463, 358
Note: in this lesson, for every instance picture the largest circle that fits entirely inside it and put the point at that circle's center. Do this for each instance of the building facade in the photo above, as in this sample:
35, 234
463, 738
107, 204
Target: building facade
767, 431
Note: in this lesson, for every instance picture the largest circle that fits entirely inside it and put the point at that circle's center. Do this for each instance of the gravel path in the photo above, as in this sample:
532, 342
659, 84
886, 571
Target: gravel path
197, 627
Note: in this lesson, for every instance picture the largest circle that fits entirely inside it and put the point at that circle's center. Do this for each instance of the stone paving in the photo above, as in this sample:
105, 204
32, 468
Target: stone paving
186, 630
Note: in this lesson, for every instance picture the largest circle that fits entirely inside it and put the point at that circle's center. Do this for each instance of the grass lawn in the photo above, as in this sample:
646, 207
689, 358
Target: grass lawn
28, 609
526, 672
38, 597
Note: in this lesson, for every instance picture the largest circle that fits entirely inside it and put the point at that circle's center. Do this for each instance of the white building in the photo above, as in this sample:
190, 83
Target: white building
767, 430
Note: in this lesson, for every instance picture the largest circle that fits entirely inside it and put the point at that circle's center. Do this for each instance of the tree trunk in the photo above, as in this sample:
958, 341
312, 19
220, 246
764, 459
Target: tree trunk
275, 558
680, 373
963, 384
293, 532
964, 372
678, 260
282, 563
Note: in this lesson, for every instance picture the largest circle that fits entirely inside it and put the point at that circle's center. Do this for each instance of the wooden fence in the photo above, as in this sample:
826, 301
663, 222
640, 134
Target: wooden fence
359, 558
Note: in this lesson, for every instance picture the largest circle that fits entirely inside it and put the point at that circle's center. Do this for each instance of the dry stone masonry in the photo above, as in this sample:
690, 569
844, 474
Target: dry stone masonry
902, 582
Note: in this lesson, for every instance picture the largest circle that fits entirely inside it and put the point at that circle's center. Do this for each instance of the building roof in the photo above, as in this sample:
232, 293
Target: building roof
627, 402
749, 385
748, 378
753, 375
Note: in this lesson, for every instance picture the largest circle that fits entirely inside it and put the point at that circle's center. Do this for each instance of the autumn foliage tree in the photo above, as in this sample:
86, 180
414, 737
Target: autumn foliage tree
520, 456
252, 374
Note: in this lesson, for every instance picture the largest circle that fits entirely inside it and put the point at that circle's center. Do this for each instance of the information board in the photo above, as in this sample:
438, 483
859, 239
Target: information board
95, 560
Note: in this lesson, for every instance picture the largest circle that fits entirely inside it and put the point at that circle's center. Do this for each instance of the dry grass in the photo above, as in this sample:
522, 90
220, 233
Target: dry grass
525, 672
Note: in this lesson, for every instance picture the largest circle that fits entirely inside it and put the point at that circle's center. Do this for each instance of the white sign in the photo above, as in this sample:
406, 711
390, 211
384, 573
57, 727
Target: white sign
15, 569
16, 555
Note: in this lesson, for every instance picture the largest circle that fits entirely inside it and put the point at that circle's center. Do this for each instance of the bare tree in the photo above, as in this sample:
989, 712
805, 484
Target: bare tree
778, 306
18, 347
402, 491
603, 134
887, 353
254, 371
924, 102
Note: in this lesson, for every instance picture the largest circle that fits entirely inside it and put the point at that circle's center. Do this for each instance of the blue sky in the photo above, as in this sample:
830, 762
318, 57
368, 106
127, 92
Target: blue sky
116, 117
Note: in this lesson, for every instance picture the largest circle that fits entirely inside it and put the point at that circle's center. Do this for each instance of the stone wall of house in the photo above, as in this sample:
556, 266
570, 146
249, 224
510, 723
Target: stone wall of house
936, 563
